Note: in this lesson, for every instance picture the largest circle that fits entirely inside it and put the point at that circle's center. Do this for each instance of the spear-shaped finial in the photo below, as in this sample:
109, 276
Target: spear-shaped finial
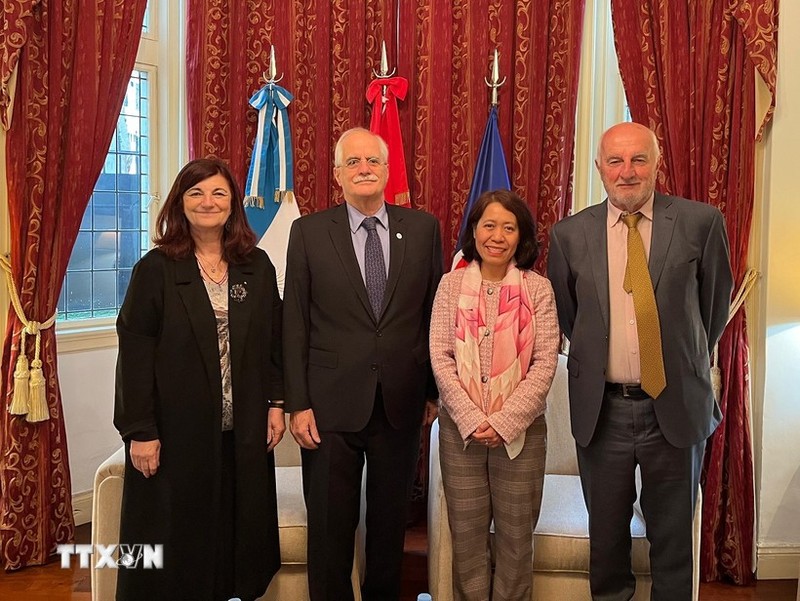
384, 72
495, 83
384, 60
273, 68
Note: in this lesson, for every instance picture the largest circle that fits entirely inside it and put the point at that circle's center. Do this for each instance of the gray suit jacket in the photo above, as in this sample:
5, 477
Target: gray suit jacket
690, 269
335, 351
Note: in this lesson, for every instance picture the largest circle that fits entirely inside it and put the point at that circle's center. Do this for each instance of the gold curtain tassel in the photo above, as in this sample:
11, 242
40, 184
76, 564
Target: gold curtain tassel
30, 395
20, 400
38, 398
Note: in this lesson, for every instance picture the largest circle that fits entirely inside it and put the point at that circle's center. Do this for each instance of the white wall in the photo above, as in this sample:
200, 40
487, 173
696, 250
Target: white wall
776, 388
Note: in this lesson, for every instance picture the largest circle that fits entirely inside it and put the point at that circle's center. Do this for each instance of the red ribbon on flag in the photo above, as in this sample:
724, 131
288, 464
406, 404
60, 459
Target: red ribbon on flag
383, 93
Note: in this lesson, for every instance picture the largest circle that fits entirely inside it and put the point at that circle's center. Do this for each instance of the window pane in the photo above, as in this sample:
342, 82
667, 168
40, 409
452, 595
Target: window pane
129, 249
114, 230
105, 250
103, 205
104, 291
79, 291
81, 258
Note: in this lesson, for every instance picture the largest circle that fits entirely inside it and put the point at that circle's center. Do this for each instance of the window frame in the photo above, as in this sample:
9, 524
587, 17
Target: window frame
160, 54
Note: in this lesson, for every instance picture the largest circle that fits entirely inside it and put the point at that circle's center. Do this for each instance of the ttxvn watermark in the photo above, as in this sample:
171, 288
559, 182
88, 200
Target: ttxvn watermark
133, 556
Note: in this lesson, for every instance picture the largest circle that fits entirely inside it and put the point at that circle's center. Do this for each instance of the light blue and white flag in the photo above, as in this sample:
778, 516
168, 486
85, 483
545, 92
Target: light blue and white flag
269, 198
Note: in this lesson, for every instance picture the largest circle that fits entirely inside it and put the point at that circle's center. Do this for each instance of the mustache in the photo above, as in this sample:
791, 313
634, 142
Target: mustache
365, 178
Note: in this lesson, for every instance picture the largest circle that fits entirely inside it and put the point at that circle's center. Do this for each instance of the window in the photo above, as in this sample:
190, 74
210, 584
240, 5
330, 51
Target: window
114, 233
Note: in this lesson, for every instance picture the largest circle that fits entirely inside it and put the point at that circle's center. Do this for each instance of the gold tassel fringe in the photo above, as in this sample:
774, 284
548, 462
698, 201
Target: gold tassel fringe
254, 201
283, 195
20, 401
38, 399
402, 199
30, 394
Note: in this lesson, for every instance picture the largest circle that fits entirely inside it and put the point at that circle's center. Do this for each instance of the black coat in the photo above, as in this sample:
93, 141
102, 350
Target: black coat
169, 387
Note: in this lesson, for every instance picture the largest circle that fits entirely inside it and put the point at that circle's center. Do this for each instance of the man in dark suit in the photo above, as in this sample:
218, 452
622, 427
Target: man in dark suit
656, 412
360, 283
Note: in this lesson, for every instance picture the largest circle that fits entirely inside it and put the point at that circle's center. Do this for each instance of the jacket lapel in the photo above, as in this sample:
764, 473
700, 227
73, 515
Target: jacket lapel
242, 288
397, 251
198, 309
596, 235
663, 226
343, 244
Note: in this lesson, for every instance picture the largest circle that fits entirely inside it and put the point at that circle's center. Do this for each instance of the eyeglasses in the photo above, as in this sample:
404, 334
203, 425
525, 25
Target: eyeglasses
355, 162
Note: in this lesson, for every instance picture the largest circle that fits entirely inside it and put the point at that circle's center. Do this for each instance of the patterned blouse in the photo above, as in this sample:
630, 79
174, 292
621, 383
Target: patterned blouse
218, 295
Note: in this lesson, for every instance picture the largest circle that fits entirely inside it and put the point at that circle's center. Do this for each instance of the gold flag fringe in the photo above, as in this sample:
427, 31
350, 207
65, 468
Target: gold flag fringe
29, 397
281, 195
254, 201
402, 198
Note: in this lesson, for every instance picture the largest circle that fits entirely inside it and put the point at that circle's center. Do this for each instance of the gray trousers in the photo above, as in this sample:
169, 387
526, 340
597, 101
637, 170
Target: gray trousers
628, 435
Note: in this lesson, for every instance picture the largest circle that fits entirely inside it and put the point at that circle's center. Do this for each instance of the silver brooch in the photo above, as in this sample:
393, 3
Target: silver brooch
239, 292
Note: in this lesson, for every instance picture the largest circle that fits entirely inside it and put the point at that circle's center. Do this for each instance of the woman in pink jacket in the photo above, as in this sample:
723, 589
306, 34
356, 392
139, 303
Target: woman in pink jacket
494, 346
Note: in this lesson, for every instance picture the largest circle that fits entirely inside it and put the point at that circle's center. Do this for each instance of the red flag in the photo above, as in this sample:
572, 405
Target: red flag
383, 93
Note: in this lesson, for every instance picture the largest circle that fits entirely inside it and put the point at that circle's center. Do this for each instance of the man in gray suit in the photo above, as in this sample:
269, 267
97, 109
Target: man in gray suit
656, 412
360, 283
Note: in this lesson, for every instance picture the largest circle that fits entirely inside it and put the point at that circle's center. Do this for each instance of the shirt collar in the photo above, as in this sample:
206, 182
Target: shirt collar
355, 217
615, 214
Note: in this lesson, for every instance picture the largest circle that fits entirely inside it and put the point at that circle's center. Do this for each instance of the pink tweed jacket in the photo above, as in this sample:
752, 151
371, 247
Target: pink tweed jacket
528, 401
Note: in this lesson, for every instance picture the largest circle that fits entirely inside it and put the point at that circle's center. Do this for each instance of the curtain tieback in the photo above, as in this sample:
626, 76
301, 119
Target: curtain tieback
29, 396
748, 282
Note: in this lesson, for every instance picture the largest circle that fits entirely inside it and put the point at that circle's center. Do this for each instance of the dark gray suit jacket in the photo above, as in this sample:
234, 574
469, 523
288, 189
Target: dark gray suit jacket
690, 269
335, 352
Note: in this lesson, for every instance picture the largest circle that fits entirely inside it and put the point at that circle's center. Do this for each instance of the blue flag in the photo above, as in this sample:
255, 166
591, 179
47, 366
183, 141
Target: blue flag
491, 173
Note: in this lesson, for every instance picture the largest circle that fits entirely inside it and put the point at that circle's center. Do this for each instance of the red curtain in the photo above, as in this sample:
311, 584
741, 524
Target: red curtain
74, 64
689, 72
447, 48
327, 51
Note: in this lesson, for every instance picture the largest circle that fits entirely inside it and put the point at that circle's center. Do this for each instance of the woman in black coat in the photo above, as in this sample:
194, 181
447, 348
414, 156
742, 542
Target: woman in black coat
198, 402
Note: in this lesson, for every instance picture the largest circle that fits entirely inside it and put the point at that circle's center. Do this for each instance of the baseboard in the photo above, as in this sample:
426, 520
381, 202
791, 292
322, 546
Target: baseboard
778, 563
82, 507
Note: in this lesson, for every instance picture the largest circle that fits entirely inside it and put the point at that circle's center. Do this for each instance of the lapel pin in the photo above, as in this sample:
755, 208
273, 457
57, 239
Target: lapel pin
399, 236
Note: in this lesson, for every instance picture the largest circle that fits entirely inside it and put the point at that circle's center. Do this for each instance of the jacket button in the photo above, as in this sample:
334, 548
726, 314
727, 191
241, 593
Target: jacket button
374, 367
484, 379
378, 333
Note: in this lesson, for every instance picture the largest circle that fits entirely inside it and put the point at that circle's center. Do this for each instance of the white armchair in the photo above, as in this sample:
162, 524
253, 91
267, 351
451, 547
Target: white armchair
561, 538
289, 583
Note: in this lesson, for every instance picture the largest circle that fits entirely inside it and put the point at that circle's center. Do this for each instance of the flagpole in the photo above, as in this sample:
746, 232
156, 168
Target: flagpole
384, 73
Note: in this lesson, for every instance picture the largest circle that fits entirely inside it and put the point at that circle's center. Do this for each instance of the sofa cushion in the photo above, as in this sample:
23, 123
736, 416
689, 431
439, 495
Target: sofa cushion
291, 515
561, 538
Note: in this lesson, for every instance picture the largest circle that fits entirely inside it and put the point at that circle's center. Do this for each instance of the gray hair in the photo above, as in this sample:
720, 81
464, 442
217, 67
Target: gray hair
338, 159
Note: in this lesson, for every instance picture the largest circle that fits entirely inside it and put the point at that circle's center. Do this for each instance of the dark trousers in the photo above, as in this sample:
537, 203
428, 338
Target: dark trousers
628, 435
332, 488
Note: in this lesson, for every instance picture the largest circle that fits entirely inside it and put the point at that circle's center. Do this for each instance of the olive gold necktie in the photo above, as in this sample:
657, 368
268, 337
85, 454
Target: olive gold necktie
637, 281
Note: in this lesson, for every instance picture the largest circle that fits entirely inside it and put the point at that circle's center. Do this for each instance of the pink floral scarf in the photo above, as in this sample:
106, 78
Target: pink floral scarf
514, 333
